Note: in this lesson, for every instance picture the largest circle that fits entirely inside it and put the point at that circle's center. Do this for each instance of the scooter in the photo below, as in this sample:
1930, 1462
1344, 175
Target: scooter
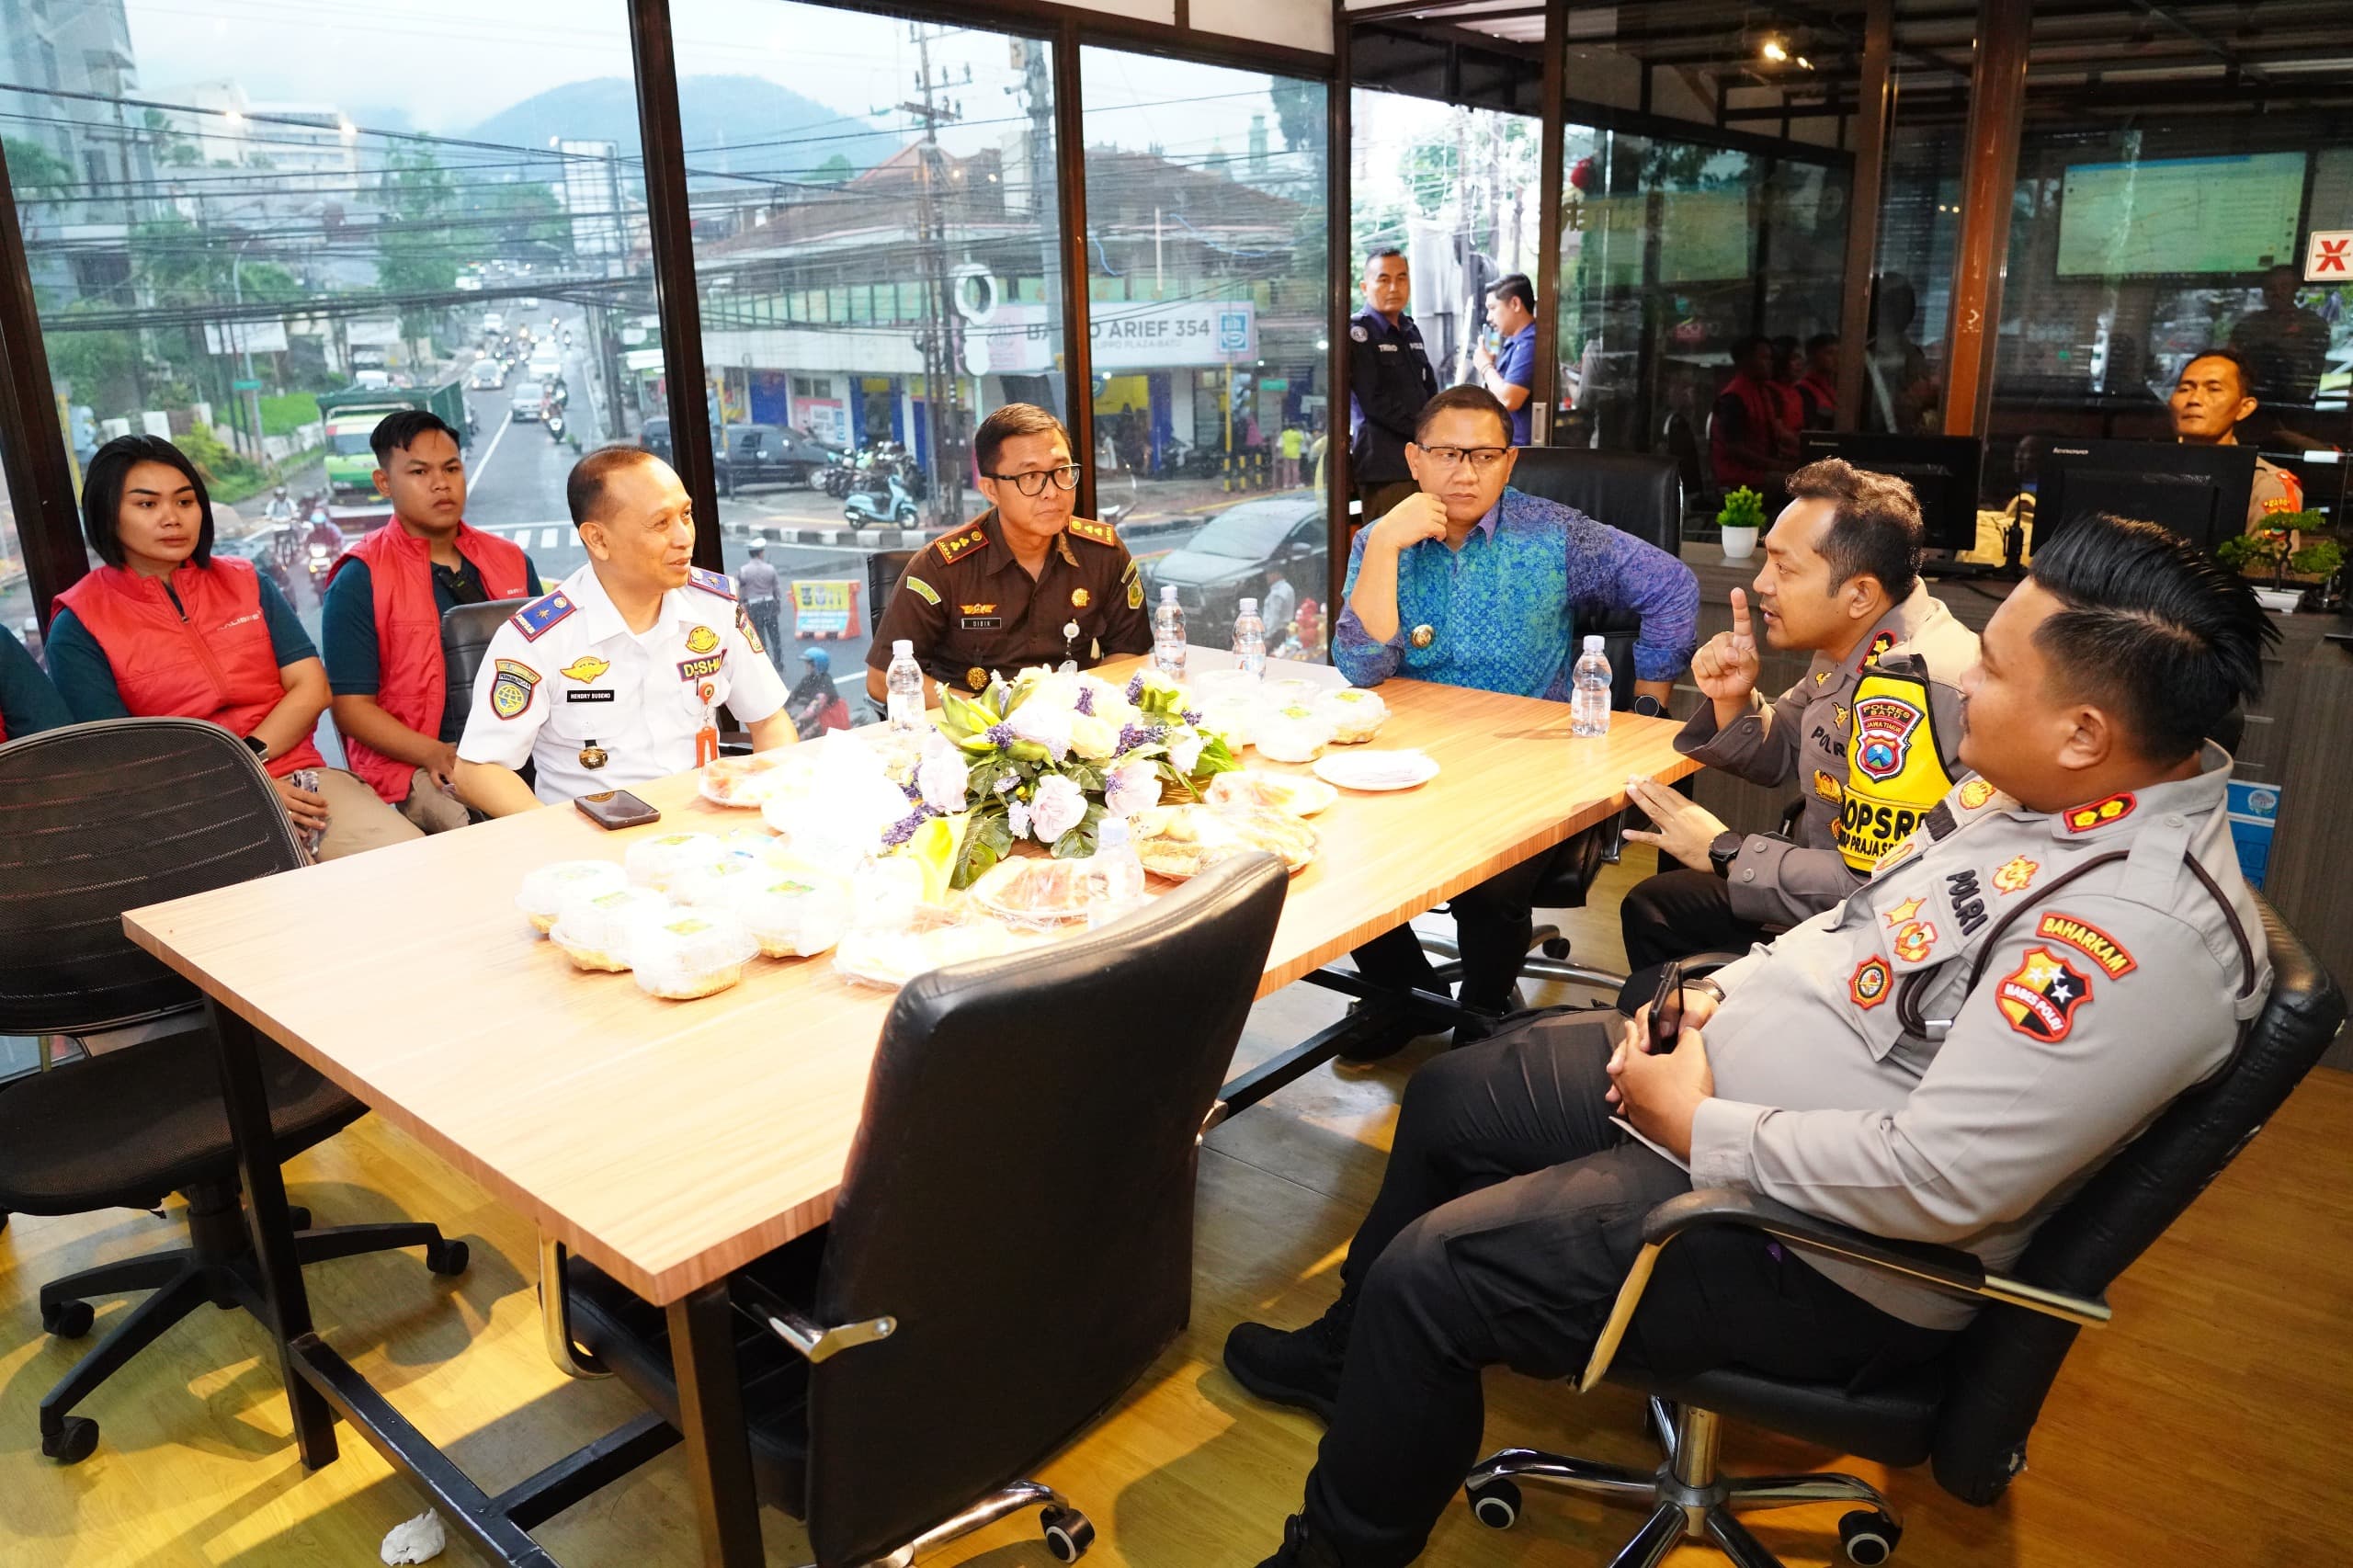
554, 423
872, 506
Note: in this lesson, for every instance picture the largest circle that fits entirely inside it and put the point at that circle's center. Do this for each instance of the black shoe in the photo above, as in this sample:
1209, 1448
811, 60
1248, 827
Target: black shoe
1378, 1030
1300, 1368
1301, 1548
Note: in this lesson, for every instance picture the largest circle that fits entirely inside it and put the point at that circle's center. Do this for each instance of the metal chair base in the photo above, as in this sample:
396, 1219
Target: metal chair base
1541, 963
1687, 1496
1068, 1534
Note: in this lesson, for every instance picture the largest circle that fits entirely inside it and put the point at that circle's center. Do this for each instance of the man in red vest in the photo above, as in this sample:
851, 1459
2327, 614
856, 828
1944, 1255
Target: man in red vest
1749, 442
381, 618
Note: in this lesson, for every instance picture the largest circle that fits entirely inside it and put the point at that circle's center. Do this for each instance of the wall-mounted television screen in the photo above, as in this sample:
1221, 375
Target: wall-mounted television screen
2180, 215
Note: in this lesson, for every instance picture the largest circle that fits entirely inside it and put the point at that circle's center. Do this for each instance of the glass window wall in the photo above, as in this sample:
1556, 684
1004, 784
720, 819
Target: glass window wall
1207, 191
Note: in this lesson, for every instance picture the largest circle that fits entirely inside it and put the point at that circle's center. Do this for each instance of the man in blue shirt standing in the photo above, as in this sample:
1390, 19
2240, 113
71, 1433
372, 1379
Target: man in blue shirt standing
1471, 583
1389, 379
1510, 371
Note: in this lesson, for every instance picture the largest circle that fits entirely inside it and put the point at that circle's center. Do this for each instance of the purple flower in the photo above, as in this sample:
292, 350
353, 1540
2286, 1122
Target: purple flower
1135, 689
911, 790
905, 828
1133, 736
999, 734
1085, 703
1192, 715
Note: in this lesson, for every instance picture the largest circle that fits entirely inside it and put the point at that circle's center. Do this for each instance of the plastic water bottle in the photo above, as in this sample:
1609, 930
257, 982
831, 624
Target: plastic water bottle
1589, 692
1168, 635
904, 679
1250, 640
1117, 871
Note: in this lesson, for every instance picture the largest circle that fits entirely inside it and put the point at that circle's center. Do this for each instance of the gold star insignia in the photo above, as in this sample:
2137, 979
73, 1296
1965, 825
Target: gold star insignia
1904, 912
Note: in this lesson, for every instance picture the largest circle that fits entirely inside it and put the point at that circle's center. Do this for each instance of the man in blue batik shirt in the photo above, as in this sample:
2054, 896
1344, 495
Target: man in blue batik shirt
1471, 583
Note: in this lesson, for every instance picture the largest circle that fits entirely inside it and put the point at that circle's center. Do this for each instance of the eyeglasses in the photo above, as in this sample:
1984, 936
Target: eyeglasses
1482, 459
1065, 478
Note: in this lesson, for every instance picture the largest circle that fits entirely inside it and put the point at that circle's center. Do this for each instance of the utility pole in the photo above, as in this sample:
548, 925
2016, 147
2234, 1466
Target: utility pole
941, 340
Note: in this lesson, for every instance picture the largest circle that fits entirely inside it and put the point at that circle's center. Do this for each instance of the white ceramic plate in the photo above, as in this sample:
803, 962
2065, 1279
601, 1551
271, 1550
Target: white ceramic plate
1376, 769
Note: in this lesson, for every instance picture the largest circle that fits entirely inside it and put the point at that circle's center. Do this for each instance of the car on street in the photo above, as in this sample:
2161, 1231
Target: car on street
768, 454
525, 404
1227, 558
489, 373
493, 321
656, 437
547, 365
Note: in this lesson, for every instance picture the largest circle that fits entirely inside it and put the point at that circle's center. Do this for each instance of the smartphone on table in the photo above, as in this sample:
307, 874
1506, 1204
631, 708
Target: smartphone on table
617, 809
1667, 1010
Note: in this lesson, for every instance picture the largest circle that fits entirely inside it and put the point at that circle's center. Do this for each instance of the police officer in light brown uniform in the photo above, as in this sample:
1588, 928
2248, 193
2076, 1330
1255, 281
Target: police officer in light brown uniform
2024, 985
1866, 735
1025, 582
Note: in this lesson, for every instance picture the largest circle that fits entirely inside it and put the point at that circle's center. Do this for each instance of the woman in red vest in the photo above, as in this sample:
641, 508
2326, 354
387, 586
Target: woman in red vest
164, 629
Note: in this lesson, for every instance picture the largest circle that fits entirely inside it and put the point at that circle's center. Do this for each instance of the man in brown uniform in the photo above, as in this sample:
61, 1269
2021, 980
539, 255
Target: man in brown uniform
1025, 582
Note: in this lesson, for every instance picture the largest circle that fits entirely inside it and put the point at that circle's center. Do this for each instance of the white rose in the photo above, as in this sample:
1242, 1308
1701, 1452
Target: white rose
1055, 807
1184, 749
1092, 738
943, 780
1043, 722
1134, 787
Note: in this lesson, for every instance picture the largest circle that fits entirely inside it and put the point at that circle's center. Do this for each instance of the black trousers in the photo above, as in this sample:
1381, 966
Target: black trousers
769, 621
1493, 922
1672, 915
1510, 1211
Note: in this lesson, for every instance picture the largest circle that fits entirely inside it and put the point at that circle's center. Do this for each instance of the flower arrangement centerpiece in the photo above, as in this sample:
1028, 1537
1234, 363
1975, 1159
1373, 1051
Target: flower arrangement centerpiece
1047, 756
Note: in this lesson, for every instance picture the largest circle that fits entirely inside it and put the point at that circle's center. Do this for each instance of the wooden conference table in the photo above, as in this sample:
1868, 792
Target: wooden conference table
672, 1143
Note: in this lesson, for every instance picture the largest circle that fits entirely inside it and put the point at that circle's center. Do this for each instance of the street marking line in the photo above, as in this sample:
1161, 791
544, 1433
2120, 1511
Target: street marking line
551, 537
497, 435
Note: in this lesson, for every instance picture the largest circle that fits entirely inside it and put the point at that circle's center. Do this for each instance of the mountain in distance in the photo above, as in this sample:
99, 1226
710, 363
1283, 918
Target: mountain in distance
732, 124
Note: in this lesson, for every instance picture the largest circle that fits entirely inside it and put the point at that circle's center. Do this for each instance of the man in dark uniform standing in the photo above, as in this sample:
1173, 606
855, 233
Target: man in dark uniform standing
1389, 379
1025, 582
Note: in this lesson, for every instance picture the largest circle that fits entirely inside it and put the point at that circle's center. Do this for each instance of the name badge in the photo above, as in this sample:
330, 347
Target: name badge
1388, 347
982, 623
588, 693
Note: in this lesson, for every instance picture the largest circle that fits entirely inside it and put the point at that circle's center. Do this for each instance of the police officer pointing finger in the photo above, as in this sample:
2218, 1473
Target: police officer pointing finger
616, 678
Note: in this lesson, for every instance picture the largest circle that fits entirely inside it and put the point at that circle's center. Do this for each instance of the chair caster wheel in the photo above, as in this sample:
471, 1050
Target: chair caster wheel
1869, 1537
75, 1440
1068, 1534
1496, 1505
298, 1217
446, 1259
66, 1320
1557, 949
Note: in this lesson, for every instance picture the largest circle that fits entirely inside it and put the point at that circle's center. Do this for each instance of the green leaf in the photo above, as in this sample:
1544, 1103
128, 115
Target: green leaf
987, 839
1030, 751
1081, 840
961, 716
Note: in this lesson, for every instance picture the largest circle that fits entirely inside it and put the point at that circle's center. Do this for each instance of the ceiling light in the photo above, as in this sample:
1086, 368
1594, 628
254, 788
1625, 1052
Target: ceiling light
1774, 49
1803, 64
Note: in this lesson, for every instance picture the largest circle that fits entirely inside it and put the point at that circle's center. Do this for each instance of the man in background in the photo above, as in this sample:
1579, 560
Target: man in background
2208, 401
1389, 379
763, 600
2284, 345
1747, 442
1510, 371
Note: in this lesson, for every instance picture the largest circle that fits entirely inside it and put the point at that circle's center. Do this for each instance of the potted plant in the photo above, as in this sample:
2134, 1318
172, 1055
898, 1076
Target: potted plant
2284, 543
1742, 515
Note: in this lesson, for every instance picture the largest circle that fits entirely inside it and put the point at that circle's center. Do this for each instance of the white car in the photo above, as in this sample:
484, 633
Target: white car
493, 321
546, 368
526, 402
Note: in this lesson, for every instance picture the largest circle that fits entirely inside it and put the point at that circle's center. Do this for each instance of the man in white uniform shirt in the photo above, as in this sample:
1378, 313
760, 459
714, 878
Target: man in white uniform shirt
615, 678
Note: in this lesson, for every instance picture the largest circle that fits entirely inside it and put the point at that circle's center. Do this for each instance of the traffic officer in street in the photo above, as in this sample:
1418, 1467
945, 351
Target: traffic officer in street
1869, 733
2061, 947
763, 600
1389, 379
1025, 582
617, 676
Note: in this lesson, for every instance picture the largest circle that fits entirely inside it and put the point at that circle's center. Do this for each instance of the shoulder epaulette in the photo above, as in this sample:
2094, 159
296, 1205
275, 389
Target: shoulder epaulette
961, 542
534, 618
718, 583
1088, 528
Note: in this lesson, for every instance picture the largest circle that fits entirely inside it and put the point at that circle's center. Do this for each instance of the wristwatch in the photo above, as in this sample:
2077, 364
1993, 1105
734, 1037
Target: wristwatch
1704, 984
261, 747
1723, 850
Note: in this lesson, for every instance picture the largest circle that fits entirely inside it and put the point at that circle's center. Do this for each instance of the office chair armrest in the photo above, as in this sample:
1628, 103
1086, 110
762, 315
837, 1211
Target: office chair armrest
809, 1339
1940, 1268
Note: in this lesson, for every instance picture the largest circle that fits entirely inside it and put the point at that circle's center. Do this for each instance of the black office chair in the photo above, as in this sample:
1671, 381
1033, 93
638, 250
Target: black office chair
1643, 495
1013, 1243
466, 632
1970, 1412
882, 572
104, 818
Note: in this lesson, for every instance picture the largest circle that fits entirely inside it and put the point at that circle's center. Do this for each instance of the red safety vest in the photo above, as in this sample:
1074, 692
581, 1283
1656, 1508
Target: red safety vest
211, 658
412, 684
1758, 404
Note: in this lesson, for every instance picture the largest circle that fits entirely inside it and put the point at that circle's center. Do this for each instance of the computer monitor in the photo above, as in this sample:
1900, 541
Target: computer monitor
2199, 493
1941, 470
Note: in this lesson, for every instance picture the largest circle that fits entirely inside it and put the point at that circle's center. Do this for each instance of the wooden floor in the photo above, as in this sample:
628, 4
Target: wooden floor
2208, 1427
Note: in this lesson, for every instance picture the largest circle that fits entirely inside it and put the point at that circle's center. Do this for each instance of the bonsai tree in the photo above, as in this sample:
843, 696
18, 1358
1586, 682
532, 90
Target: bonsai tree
2281, 542
1744, 508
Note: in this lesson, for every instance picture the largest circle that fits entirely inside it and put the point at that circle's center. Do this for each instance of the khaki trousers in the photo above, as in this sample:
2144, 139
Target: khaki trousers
430, 808
357, 820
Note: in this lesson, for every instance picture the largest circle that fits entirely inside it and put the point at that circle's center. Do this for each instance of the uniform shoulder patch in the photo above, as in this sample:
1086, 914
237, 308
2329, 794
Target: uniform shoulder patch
534, 618
1088, 528
2039, 998
751, 633
955, 546
923, 590
718, 583
510, 693
2089, 940
2099, 813
1357, 332
1870, 983
1975, 793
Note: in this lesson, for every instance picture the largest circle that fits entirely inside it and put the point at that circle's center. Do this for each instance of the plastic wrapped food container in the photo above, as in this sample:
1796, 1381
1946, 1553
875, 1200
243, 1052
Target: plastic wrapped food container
934, 936
545, 889
1286, 792
596, 929
795, 914
752, 781
718, 884
696, 952
1292, 732
1355, 713
653, 861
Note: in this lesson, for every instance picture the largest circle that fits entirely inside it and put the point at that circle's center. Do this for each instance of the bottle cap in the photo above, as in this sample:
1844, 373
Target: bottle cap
1168, 594
905, 647
1248, 606
1593, 644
